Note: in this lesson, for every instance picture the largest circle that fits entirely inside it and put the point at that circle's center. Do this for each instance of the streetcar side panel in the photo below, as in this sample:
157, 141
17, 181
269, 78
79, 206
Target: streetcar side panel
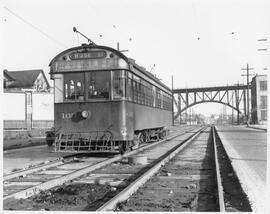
146, 117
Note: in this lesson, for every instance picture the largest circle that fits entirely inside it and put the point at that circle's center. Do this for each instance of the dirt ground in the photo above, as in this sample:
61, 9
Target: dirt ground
186, 183
67, 197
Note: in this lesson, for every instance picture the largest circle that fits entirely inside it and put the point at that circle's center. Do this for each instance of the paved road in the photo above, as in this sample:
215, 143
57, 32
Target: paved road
247, 149
19, 158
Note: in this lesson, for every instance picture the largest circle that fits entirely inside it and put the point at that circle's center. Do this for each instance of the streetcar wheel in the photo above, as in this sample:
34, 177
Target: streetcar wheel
122, 147
138, 139
50, 138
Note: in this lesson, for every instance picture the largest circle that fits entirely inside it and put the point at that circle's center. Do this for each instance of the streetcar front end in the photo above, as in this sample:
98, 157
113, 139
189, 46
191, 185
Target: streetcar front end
91, 114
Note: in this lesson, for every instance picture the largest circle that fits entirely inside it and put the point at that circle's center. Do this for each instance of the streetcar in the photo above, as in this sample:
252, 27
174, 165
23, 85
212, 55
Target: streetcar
105, 102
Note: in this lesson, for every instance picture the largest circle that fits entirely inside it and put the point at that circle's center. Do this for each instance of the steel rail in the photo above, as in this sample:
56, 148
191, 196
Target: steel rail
46, 164
218, 176
75, 174
33, 169
53, 163
135, 185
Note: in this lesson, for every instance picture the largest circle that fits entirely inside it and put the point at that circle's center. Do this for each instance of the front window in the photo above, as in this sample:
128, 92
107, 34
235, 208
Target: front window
94, 85
98, 85
74, 86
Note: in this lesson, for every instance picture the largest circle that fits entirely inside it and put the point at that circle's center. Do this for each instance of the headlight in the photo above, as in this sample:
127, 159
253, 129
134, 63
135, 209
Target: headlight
122, 63
85, 114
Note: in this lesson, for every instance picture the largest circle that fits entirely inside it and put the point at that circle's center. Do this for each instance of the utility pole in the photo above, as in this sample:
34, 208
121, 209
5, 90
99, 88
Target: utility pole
172, 103
232, 110
237, 102
247, 75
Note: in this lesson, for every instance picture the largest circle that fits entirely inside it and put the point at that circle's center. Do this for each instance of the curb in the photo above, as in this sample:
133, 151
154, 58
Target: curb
251, 185
252, 127
23, 144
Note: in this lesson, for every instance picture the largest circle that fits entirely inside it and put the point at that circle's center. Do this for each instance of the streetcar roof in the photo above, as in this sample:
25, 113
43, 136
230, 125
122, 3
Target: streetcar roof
147, 73
130, 61
88, 46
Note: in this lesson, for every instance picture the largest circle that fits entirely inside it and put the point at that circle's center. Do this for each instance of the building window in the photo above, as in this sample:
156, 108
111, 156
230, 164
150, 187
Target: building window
263, 85
263, 102
263, 115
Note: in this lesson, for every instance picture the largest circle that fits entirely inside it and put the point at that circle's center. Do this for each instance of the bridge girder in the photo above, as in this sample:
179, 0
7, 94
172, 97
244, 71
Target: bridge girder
231, 96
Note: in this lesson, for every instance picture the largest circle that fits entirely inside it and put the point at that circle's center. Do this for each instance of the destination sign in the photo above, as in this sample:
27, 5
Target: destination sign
88, 55
84, 65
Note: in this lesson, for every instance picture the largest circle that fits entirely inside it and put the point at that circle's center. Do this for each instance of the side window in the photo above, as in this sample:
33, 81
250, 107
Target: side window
129, 91
118, 84
161, 99
154, 96
135, 93
140, 93
166, 101
158, 100
143, 92
136, 89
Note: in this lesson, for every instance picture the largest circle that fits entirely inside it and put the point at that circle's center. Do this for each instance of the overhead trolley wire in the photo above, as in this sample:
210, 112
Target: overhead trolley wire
34, 27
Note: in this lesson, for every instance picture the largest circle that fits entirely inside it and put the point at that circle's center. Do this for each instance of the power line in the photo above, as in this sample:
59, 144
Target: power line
34, 27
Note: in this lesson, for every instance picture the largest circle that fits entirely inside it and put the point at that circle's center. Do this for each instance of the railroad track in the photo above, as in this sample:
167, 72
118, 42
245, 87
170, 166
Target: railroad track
114, 184
191, 181
26, 183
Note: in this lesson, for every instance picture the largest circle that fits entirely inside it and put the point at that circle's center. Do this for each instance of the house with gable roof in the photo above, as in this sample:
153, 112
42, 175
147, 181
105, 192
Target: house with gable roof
27, 100
34, 80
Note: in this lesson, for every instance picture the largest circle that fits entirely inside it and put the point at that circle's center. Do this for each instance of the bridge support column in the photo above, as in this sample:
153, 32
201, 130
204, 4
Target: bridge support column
244, 102
237, 104
179, 108
227, 95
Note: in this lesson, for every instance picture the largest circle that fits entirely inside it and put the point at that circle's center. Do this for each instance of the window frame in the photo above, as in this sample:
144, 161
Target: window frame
142, 92
87, 76
263, 85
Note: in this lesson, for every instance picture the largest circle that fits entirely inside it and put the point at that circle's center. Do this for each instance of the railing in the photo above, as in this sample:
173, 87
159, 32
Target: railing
21, 124
95, 141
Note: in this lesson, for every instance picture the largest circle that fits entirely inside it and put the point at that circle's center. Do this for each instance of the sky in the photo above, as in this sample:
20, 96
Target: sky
199, 42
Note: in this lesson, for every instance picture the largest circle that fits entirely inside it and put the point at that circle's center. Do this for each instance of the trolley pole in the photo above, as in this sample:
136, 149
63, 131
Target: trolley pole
172, 103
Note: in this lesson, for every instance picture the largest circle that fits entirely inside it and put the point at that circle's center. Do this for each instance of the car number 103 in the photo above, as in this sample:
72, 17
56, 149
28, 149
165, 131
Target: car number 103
67, 115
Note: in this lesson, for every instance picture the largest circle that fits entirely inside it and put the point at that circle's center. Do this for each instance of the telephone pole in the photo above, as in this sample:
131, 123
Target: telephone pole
247, 75
172, 104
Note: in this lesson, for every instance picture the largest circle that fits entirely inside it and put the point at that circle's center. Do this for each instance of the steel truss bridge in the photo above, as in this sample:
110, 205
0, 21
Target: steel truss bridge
233, 96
